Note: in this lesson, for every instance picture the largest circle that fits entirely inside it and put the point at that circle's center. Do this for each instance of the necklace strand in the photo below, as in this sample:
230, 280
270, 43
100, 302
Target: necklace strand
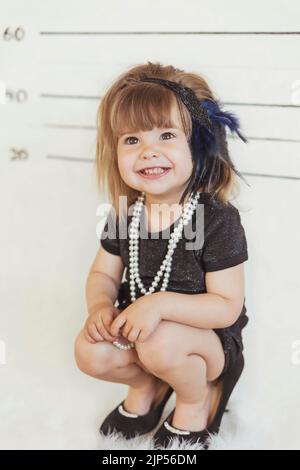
166, 266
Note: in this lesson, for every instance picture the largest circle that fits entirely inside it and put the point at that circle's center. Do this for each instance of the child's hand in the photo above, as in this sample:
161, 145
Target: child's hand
139, 321
97, 325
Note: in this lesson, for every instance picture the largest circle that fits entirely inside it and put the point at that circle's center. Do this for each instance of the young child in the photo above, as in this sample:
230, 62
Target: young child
162, 151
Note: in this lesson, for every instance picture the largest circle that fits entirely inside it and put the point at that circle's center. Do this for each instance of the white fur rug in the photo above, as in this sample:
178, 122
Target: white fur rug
50, 409
234, 434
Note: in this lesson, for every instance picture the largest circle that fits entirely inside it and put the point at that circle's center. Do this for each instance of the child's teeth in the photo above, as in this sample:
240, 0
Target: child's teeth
154, 171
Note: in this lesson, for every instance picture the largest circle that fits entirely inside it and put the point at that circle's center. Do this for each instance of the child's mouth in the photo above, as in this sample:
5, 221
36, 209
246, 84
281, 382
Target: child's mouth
152, 176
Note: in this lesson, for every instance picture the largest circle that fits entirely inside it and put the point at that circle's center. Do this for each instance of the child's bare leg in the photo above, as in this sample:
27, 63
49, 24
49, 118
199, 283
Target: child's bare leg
191, 366
194, 394
104, 361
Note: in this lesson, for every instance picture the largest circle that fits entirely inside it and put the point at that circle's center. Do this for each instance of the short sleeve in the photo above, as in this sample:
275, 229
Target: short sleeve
225, 243
109, 238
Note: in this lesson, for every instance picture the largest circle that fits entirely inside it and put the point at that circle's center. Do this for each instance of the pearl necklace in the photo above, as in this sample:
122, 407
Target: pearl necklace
166, 265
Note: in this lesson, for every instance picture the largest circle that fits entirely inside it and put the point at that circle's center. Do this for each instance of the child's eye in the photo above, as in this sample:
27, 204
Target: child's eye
132, 137
170, 133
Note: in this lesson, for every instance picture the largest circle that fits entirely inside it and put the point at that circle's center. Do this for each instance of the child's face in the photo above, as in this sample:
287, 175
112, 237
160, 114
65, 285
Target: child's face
158, 147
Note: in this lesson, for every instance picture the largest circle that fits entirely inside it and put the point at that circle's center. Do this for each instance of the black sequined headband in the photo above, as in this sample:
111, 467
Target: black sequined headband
205, 112
188, 97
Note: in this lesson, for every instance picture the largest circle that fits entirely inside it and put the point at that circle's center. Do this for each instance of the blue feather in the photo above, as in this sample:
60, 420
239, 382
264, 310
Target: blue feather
223, 117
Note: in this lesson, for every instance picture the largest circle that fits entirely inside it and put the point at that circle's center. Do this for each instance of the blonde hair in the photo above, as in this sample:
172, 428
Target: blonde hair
129, 105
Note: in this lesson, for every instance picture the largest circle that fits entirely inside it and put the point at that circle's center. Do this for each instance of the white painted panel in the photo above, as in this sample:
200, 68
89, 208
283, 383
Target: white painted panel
227, 50
70, 53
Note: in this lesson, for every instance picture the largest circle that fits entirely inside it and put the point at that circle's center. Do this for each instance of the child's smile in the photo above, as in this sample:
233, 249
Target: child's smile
154, 172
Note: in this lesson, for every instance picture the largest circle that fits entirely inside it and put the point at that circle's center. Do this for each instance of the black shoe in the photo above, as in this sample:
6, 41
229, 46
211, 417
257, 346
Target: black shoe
228, 382
131, 425
166, 433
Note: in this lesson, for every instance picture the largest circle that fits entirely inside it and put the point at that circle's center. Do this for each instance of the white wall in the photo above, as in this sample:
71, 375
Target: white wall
249, 53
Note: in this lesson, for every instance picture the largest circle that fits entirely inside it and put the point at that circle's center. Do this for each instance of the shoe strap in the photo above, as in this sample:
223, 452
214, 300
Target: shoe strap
175, 430
123, 412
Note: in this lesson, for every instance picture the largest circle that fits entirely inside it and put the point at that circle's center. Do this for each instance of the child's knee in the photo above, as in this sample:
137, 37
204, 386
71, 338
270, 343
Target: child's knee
92, 359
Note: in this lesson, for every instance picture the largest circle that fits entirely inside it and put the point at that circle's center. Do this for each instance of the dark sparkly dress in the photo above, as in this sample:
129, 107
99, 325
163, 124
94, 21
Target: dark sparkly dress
222, 244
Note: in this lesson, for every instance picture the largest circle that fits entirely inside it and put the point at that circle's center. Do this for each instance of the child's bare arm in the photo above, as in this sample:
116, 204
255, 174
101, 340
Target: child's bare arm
103, 280
219, 307
102, 288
